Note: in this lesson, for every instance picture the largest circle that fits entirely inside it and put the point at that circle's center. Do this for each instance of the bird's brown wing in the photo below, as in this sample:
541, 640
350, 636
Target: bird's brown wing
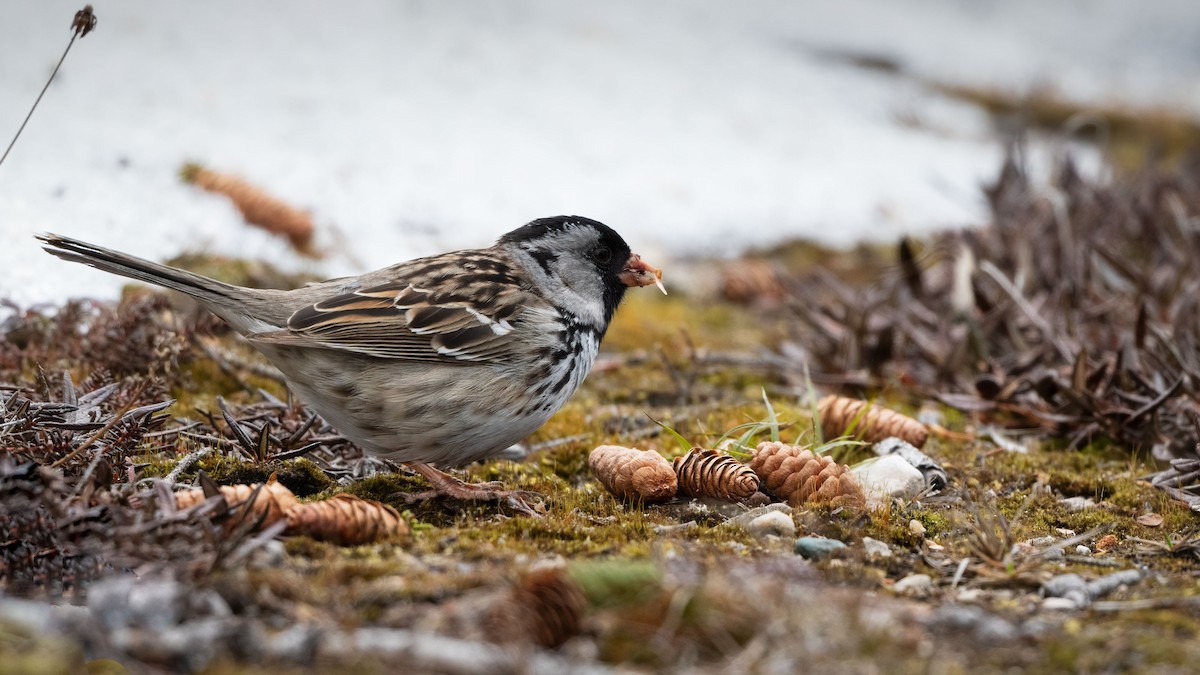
464, 309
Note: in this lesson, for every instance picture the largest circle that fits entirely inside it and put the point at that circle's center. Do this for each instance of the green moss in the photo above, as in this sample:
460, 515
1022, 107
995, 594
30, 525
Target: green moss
303, 477
892, 525
25, 651
617, 582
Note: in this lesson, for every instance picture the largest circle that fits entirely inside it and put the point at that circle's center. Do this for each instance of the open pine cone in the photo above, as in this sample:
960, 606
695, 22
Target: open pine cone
798, 476
708, 473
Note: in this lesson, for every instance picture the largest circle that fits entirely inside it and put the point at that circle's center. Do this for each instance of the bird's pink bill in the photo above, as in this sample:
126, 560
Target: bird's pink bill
638, 272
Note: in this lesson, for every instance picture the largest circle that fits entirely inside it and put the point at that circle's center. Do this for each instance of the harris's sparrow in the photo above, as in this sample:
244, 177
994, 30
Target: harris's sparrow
442, 360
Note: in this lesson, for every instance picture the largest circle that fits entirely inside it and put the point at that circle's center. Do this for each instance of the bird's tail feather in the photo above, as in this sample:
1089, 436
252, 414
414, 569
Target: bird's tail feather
247, 310
126, 265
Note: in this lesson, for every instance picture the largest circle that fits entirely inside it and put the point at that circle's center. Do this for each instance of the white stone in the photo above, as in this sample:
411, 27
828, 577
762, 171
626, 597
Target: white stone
875, 548
1059, 604
915, 585
1077, 503
888, 478
744, 519
772, 523
970, 595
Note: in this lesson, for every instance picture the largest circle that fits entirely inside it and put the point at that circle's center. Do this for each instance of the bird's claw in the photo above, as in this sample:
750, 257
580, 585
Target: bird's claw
522, 501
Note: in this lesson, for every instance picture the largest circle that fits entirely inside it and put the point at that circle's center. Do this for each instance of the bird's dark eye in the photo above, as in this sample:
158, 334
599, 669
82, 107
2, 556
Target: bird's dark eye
602, 254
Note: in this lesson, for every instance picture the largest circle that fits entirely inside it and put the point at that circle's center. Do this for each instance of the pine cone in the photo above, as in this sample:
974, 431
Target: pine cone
634, 474
838, 413
545, 607
798, 476
257, 207
271, 505
708, 473
346, 520
753, 281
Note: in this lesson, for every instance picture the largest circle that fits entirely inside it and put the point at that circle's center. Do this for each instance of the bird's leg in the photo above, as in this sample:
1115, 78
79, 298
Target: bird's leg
445, 485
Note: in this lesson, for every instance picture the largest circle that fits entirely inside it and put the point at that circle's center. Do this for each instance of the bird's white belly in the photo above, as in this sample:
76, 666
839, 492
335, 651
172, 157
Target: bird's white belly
444, 414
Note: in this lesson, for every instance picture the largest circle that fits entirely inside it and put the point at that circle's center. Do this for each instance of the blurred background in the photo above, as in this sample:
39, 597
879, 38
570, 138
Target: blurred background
693, 127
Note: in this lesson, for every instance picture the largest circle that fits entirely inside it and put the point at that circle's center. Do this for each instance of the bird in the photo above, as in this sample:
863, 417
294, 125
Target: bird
435, 362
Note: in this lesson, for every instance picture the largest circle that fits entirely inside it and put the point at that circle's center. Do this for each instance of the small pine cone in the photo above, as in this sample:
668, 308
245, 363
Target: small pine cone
838, 413
257, 207
798, 476
752, 281
346, 520
708, 473
272, 504
546, 605
634, 474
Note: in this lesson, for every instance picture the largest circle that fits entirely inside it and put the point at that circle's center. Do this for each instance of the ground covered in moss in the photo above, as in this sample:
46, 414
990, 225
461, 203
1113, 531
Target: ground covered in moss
106, 409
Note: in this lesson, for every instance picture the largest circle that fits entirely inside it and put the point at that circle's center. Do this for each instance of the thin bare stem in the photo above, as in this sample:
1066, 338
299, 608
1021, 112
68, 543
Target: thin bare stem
82, 24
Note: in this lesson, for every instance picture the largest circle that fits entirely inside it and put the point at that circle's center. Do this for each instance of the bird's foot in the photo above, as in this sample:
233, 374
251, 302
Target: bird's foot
445, 485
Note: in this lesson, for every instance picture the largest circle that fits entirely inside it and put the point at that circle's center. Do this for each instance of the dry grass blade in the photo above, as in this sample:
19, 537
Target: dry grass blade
1001, 559
1182, 544
82, 23
991, 539
1074, 311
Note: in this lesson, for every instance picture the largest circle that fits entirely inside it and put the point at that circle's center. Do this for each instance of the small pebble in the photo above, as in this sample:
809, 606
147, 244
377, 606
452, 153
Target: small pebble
1021, 548
1083, 550
916, 527
270, 555
931, 417
1069, 587
969, 595
774, 523
1059, 604
815, 548
1150, 519
758, 499
984, 625
914, 585
1077, 503
677, 527
875, 548
744, 519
